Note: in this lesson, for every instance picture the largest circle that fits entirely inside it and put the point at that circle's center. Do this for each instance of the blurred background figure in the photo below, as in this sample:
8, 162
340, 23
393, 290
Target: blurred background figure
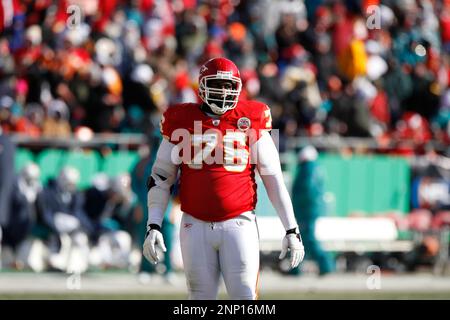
7, 119
110, 205
56, 124
140, 174
61, 210
23, 216
308, 201
7, 153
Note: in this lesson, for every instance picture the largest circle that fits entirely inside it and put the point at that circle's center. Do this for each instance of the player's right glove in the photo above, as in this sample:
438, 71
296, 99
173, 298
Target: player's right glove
293, 242
153, 239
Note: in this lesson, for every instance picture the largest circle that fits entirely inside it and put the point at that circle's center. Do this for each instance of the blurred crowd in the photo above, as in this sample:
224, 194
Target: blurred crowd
58, 224
57, 227
371, 68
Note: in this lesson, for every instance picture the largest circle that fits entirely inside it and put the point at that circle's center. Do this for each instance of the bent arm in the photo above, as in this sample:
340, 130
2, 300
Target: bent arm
269, 168
46, 213
163, 176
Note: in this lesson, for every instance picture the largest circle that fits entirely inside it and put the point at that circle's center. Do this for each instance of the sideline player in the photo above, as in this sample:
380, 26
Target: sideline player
217, 146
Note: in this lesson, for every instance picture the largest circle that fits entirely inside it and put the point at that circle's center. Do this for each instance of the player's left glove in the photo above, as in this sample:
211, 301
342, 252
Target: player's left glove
292, 241
153, 239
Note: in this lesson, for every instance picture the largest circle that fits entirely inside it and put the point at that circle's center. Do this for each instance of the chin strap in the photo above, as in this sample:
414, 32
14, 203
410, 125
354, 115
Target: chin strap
208, 110
216, 110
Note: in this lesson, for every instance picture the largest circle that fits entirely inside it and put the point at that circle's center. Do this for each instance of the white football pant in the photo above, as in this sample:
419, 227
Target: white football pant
230, 248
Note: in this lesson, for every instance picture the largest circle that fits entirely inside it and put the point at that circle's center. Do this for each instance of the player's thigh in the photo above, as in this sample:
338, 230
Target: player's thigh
200, 259
239, 258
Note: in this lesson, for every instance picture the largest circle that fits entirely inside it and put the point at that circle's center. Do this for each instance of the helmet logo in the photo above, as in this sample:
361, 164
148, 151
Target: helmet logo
243, 124
203, 69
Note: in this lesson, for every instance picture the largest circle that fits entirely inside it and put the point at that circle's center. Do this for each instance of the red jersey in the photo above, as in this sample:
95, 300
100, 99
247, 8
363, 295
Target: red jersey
217, 180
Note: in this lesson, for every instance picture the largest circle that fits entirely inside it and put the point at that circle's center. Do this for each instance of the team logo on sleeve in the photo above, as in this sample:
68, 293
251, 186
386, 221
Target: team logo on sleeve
243, 124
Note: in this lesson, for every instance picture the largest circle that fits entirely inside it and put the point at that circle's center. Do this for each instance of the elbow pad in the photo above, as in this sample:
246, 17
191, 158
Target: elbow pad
162, 178
151, 182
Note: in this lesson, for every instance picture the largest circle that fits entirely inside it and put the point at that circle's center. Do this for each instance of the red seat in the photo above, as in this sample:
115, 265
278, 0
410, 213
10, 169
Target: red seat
420, 220
440, 219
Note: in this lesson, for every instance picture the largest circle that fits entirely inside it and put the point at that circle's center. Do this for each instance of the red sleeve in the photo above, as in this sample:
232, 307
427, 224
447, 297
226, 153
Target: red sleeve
261, 121
167, 124
266, 119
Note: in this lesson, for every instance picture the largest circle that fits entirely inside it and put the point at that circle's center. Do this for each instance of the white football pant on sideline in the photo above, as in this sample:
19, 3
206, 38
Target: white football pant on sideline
229, 247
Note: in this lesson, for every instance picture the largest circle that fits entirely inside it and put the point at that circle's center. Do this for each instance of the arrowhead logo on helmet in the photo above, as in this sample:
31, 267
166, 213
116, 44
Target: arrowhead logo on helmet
203, 69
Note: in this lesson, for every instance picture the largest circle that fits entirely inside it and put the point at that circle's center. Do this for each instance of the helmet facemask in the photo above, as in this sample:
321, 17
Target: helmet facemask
220, 99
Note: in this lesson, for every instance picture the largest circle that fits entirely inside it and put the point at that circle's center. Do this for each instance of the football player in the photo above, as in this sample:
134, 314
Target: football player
216, 146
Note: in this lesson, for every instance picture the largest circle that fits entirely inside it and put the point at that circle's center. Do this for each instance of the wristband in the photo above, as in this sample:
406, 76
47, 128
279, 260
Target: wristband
152, 226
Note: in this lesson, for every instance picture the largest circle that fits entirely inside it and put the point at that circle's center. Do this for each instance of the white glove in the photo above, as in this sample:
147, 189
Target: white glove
293, 242
154, 239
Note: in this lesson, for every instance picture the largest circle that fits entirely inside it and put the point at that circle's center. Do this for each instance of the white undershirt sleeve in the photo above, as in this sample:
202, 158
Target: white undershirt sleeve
164, 174
269, 168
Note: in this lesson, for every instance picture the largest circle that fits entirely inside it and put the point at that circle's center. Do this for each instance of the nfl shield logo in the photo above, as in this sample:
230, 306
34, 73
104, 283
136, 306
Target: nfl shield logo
243, 124
216, 122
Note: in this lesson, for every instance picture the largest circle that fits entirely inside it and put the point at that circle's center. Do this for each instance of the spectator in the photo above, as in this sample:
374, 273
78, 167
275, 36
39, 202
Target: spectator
308, 200
140, 174
136, 89
300, 85
61, 212
7, 121
239, 46
110, 207
31, 123
23, 214
317, 40
7, 153
56, 123
190, 32
287, 35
